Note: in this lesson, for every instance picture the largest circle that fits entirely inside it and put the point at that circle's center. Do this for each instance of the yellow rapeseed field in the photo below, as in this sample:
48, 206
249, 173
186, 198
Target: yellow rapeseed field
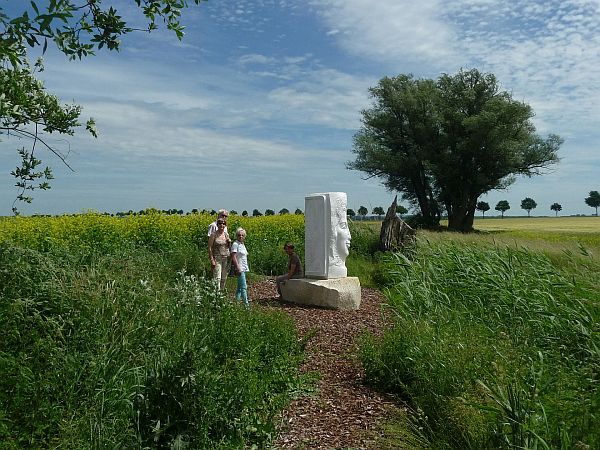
103, 232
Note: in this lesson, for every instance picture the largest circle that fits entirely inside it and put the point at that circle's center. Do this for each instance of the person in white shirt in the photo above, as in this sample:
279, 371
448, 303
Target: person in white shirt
239, 259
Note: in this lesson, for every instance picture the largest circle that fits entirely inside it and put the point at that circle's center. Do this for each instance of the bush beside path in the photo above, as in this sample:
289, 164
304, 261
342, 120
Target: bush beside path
343, 412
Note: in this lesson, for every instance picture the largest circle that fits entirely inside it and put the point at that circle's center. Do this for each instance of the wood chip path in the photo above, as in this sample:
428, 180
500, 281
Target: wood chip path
344, 413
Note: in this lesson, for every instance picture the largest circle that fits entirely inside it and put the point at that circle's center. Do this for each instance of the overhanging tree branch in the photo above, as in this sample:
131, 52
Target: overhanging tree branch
78, 29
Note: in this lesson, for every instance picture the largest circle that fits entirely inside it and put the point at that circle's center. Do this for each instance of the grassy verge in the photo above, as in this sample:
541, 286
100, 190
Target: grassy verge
494, 345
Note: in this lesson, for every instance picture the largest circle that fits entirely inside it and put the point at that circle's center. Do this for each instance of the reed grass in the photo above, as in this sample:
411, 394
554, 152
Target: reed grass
122, 351
497, 344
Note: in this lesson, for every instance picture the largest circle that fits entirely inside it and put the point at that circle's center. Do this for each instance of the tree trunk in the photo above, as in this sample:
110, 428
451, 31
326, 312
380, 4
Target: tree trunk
461, 218
422, 191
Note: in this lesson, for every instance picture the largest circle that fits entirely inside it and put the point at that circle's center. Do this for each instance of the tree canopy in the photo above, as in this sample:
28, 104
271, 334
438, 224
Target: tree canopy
443, 143
77, 29
502, 206
556, 207
483, 207
363, 211
528, 204
593, 200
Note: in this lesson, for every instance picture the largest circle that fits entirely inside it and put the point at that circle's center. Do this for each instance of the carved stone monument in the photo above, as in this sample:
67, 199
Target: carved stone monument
327, 244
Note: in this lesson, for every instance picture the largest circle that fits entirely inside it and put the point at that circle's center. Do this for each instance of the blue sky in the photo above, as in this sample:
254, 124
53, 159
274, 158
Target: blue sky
257, 106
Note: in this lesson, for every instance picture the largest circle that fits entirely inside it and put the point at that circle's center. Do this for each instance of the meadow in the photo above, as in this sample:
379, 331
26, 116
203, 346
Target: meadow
114, 336
496, 337
572, 225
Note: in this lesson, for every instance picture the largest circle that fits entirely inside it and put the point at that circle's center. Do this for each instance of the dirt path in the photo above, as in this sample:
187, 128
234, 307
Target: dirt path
344, 413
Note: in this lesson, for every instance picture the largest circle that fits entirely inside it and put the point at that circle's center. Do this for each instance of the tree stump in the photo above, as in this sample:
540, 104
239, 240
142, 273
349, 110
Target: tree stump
395, 233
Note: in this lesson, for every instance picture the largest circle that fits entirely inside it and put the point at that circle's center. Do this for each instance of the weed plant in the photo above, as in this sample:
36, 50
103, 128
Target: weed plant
493, 346
121, 351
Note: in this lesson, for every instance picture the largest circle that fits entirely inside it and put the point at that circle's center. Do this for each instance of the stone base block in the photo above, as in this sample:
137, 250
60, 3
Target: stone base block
335, 293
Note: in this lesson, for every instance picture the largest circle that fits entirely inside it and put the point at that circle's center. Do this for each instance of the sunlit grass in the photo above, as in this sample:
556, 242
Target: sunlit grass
540, 224
128, 350
496, 343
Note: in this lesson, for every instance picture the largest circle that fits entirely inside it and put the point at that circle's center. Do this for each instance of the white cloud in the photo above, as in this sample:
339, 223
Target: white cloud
547, 54
324, 97
255, 59
389, 29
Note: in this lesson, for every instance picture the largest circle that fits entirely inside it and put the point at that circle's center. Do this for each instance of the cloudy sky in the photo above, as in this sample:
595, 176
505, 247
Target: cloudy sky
257, 106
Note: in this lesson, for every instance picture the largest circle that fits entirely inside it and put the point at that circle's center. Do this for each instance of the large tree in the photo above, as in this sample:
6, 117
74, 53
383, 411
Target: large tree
398, 133
77, 28
483, 207
528, 204
593, 200
444, 143
556, 207
502, 206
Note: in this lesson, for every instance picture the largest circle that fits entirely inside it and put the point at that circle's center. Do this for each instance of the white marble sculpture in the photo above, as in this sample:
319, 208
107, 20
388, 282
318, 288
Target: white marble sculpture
327, 242
327, 236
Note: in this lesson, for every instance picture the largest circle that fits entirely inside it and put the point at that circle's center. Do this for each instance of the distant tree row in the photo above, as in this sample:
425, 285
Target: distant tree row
528, 204
212, 212
377, 211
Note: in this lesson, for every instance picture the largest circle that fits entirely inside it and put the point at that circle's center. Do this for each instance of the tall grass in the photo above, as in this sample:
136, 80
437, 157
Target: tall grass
496, 346
113, 335
121, 351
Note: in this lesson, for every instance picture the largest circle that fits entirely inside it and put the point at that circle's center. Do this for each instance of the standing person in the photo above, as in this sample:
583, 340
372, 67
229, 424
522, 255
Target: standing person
239, 259
218, 251
294, 267
221, 214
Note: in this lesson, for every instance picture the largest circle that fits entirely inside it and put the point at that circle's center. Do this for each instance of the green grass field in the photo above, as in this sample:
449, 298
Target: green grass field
496, 337
112, 336
547, 224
